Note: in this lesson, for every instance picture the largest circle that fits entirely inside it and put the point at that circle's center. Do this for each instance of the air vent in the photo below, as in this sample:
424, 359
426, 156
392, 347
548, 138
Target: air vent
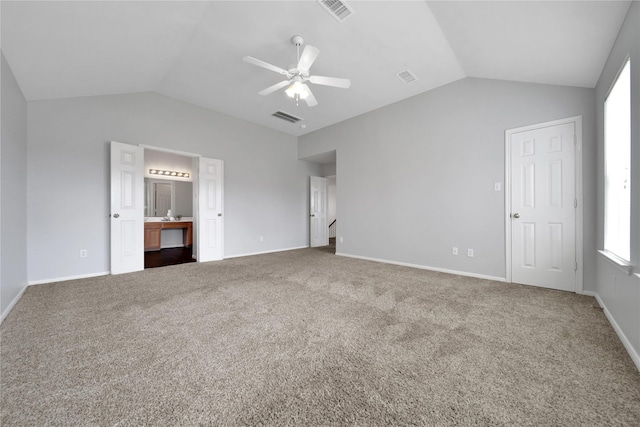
407, 76
286, 116
336, 8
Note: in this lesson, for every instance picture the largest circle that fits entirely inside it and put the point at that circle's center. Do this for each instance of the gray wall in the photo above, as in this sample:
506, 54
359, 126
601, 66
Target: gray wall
265, 185
619, 291
13, 155
417, 177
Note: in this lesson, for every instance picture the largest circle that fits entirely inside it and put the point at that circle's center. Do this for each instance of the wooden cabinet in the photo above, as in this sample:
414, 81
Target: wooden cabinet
153, 233
152, 236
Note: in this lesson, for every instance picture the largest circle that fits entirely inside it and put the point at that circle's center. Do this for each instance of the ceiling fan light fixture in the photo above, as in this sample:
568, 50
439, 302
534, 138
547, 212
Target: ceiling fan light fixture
297, 91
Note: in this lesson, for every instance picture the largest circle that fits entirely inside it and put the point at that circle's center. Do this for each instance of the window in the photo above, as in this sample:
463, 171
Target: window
617, 158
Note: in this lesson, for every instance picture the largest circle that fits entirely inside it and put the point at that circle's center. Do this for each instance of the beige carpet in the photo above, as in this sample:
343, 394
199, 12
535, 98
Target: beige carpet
305, 338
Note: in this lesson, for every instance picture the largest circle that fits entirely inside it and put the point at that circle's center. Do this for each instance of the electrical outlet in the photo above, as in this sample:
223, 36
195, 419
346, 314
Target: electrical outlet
83, 253
497, 186
470, 253
341, 239
262, 238
454, 251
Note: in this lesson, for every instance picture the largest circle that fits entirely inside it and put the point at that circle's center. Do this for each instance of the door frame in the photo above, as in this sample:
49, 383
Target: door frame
579, 211
195, 189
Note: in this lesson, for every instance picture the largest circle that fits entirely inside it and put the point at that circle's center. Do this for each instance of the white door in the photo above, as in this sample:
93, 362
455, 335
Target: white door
210, 180
318, 212
127, 208
543, 213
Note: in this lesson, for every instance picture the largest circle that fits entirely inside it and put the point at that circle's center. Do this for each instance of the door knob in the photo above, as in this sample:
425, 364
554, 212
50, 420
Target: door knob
115, 215
219, 214
312, 215
516, 215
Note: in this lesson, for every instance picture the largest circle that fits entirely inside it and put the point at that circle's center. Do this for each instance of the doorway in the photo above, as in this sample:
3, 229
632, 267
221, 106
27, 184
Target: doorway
169, 204
542, 194
133, 229
323, 202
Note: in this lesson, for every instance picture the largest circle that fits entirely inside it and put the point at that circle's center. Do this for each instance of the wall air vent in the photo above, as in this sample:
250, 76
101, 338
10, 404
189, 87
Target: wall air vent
407, 76
286, 116
337, 8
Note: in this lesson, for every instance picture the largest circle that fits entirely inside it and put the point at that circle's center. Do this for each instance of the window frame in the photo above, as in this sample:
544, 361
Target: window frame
625, 264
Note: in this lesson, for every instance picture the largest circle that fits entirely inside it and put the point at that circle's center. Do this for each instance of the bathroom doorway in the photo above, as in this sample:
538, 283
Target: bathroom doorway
169, 203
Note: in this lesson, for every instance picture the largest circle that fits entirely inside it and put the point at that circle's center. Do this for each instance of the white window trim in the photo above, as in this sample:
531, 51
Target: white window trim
625, 265
621, 263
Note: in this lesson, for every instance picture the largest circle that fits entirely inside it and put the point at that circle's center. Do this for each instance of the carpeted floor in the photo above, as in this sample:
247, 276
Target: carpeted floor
305, 338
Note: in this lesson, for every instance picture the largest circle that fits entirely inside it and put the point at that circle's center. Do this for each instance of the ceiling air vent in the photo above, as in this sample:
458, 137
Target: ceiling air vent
286, 116
407, 76
336, 8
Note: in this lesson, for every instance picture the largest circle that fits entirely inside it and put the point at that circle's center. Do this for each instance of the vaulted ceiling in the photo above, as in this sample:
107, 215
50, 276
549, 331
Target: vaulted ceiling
193, 51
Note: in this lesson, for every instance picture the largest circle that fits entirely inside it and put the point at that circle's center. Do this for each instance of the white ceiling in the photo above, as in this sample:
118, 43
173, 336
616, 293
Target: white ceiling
193, 51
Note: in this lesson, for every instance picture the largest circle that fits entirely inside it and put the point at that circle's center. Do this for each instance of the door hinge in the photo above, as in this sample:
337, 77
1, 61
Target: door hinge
575, 267
575, 203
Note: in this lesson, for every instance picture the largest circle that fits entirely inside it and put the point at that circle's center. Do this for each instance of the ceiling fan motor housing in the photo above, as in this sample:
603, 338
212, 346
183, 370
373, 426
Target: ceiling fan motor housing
297, 40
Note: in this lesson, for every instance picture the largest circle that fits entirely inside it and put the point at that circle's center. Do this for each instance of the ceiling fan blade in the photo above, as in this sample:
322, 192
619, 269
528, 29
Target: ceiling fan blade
274, 88
259, 63
309, 54
330, 81
311, 100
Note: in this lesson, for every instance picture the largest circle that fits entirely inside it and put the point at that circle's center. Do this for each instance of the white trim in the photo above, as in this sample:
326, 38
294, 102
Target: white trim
579, 211
588, 293
64, 279
622, 264
507, 204
6, 312
579, 231
168, 150
426, 267
265, 252
625, 341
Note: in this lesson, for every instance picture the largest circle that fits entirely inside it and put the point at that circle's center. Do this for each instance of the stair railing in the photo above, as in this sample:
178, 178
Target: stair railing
332, 229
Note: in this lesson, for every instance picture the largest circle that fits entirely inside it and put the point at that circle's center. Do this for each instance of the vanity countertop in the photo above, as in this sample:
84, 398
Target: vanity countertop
160, 219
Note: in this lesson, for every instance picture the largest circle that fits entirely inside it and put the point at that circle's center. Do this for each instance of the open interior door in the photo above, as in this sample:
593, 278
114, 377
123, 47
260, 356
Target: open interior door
210, 229
319, 233
127, 208
543, 207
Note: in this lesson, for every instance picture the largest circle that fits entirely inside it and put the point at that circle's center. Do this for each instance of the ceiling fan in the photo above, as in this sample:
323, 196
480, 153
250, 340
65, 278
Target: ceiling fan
297, 77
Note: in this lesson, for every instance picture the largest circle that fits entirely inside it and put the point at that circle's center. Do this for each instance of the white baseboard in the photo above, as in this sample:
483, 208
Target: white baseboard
588, 293
64, 279
265, 252
625, 341
426, 267
13, 303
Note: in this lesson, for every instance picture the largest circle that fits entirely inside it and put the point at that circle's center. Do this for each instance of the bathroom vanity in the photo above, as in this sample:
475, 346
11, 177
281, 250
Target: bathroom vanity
153, 232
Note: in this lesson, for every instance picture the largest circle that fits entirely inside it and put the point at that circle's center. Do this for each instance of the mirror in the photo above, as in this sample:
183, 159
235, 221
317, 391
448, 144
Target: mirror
160, 195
